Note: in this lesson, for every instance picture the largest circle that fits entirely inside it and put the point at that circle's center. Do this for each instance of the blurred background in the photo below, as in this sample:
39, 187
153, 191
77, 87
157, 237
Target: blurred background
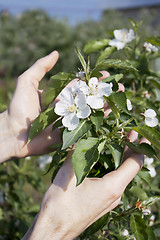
29, 30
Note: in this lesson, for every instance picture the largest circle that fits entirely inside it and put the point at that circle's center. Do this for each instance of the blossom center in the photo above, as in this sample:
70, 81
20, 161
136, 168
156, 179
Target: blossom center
93, 89
72, 108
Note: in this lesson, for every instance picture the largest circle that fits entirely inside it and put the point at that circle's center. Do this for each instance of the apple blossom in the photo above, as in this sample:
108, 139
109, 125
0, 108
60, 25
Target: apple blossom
95, 91
149, 47
72, 106
122, 36
150, 118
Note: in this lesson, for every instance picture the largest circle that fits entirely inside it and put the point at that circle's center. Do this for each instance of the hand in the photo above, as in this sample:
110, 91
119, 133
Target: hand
67, 210
24, 107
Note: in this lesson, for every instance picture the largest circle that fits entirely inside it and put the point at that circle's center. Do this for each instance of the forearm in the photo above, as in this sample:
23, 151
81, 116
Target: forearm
6, 138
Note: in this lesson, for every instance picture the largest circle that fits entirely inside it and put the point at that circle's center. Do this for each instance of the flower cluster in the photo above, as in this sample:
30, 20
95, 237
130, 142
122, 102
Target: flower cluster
122, 36
76, 102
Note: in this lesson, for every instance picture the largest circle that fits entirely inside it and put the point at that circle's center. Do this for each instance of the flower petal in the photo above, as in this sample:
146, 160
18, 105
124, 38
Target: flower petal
118, 44
93, 82
104, 89
95, 102
70, 121
129, 105
150, 113
84, 113
67, 96
61, 108
80, 100
81, 86
151, 122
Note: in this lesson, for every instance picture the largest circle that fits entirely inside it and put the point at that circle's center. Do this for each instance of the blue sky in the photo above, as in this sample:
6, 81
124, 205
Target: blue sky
74, 10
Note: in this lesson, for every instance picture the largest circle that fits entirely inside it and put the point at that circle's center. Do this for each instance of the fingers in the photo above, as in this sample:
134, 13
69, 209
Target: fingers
133, 163
132, 136
37, 71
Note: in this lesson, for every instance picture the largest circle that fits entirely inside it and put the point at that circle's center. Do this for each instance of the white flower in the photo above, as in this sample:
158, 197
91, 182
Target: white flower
151, 220
129, 105
125, 233
122, 37
149, 47
95, 91
148, 162
44, 160
150, 118
72, 106
146, 211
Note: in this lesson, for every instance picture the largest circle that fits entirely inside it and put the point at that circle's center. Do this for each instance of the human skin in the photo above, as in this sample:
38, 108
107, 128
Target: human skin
66, 210
23, 109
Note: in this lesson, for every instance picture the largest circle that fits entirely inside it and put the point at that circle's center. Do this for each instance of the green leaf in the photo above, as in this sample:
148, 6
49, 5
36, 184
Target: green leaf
112, 106
150, 133
41, 122
105, 53
119, 98
138, 227
154, 40
117, 77
55, 86
95, 226
95, 45
145, 176
84, 157
81, 58
138, 192
97, 119
117, 153
71, 137
151, 235
151, 200
116, 63
142, 148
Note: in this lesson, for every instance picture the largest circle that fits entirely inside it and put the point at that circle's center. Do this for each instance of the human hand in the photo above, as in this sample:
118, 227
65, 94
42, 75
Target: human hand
24, 107
67, 210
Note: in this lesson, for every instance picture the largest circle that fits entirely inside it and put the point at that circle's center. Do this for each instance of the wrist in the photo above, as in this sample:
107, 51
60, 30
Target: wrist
6, 138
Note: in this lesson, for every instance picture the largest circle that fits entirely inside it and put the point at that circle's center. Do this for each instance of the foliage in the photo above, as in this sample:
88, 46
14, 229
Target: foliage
33, 35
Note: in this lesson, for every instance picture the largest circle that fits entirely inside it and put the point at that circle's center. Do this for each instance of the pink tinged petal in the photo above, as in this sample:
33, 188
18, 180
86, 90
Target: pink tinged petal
70, 121
67, 96
61, 109
104, 89
80, 100
84, 113
95, 102
151, 122
93, 82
